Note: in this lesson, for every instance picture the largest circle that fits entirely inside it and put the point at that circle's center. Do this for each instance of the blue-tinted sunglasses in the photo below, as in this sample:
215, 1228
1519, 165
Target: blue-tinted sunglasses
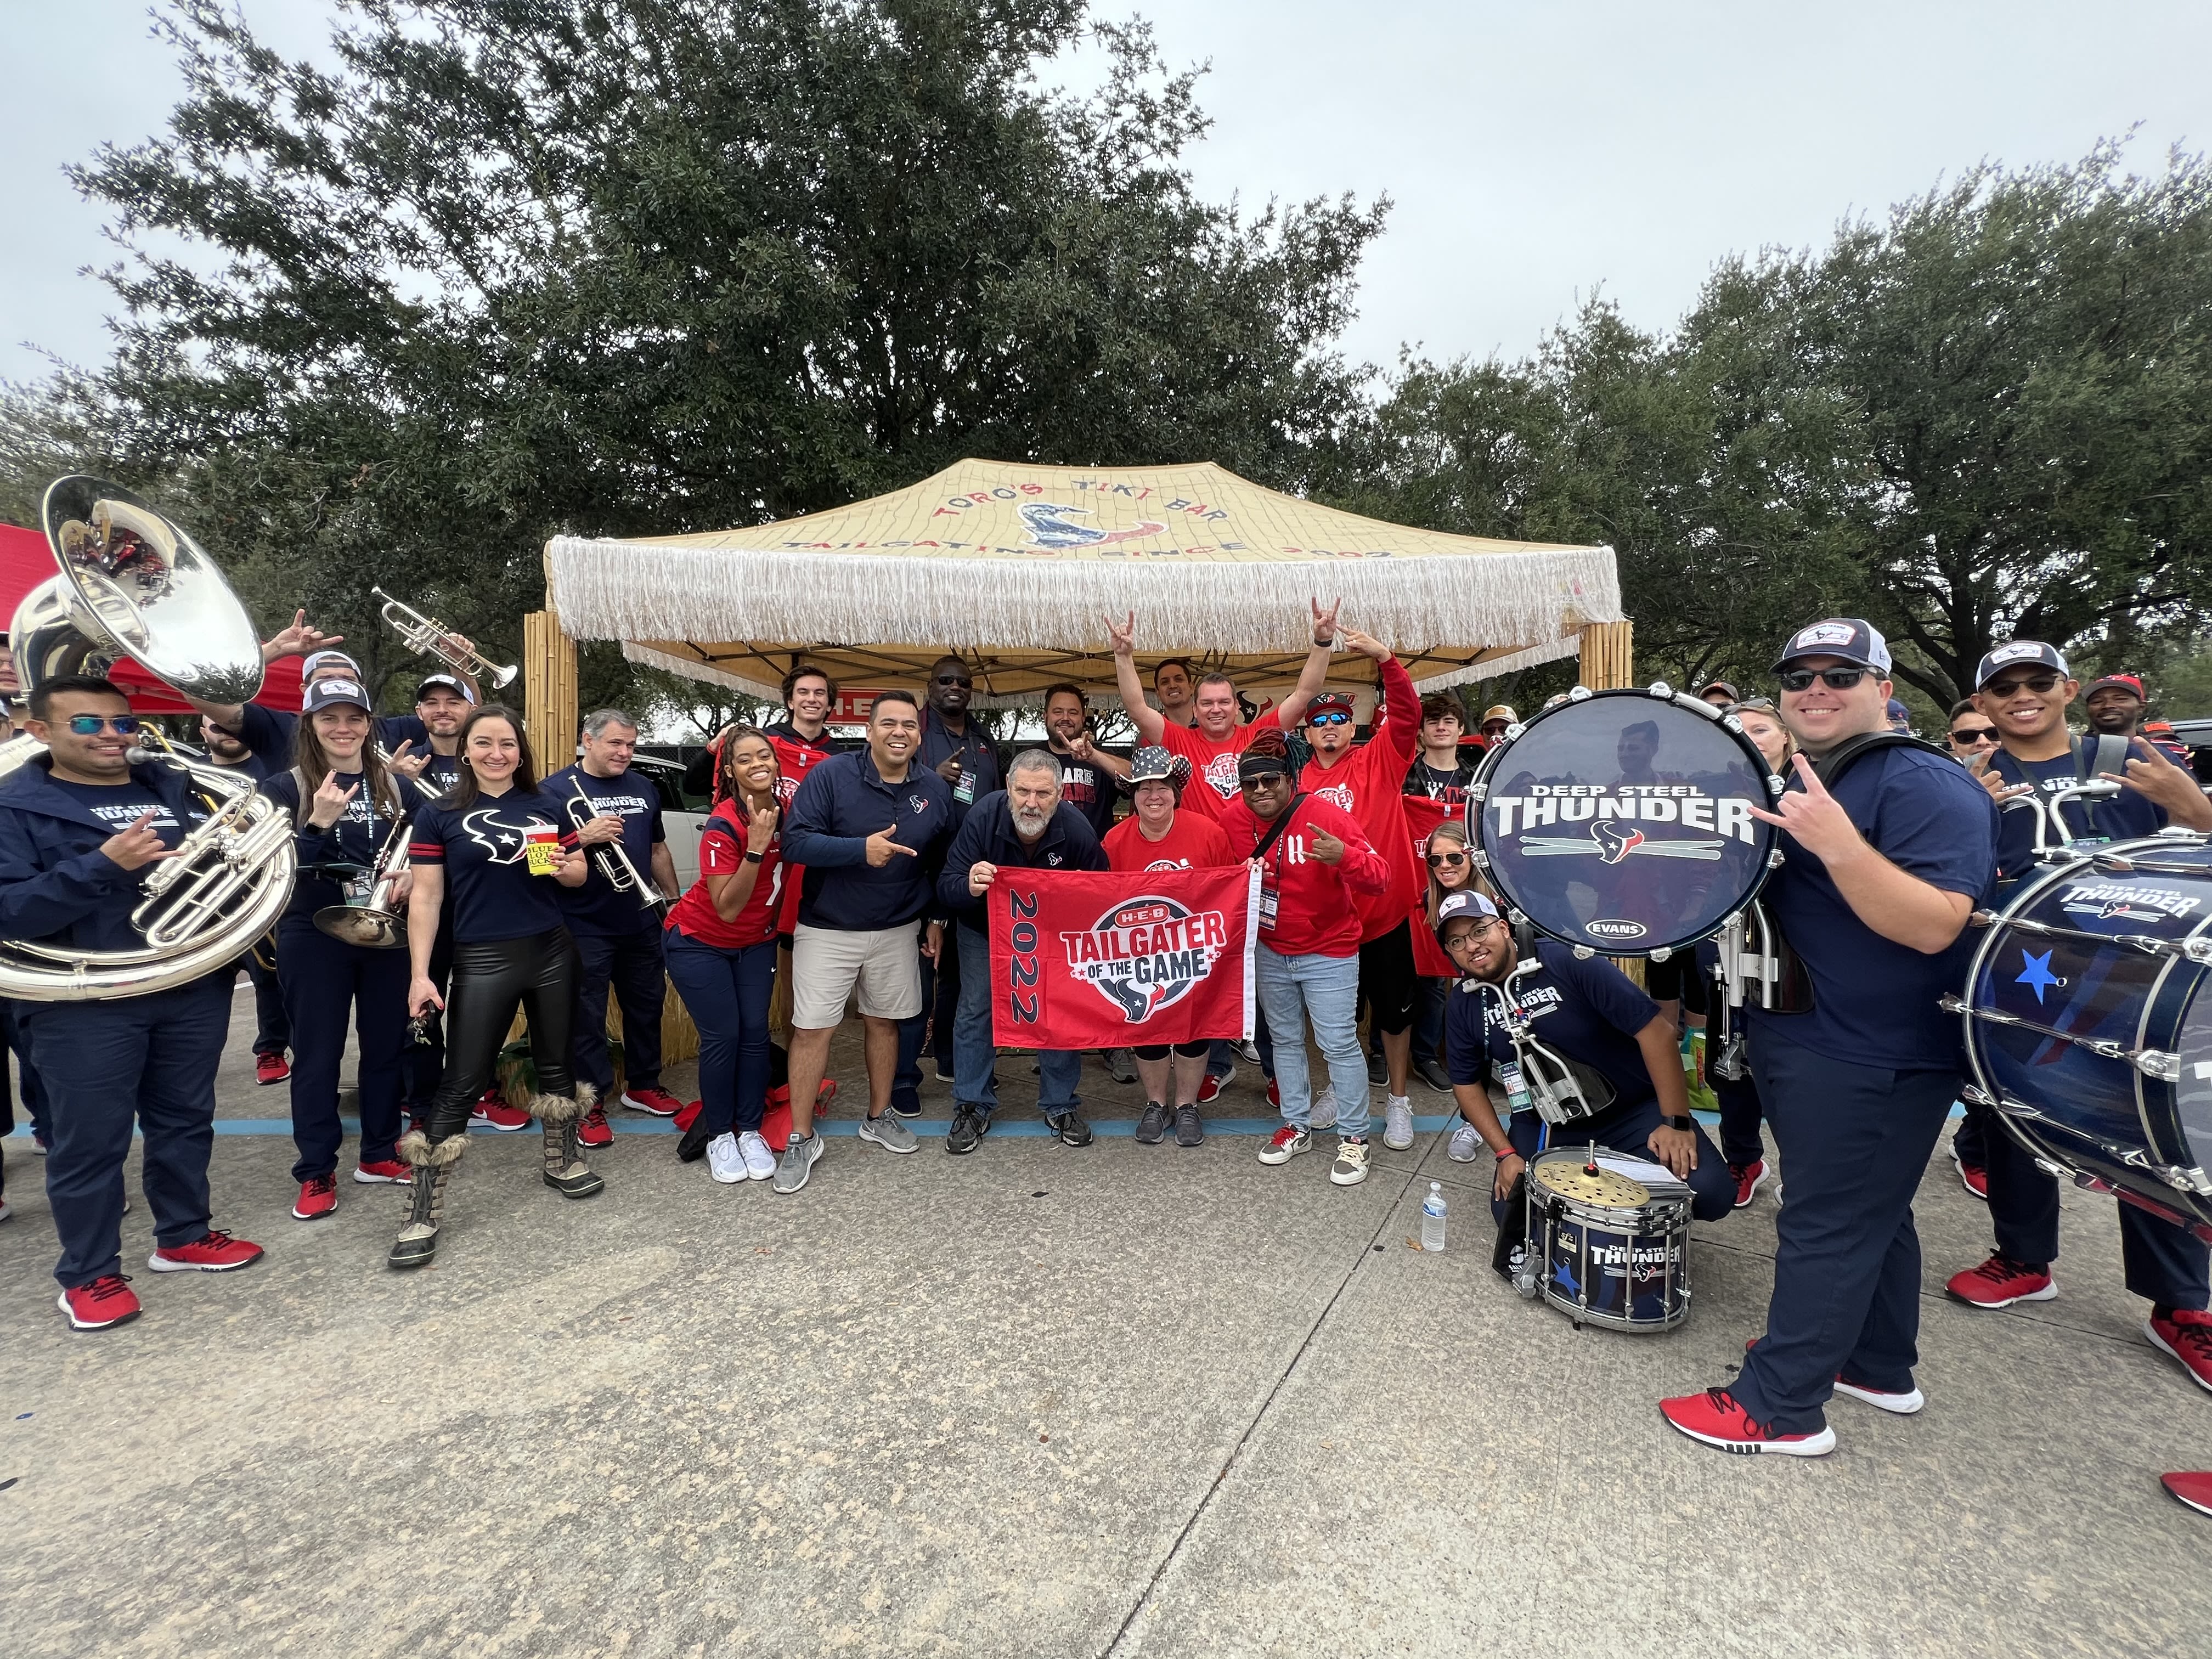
86, 724
1330, 717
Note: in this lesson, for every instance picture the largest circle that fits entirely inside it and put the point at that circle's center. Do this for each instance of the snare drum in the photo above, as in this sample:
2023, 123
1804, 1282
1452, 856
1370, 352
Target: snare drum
2083, 1026
1620, 821
1613, 1247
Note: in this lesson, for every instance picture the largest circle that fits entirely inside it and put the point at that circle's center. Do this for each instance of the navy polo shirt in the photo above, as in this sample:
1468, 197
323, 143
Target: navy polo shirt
1587, 1010
843, 801
1873, 999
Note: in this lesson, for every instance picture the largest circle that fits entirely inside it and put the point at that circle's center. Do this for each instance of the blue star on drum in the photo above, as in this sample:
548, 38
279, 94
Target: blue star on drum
2036, 973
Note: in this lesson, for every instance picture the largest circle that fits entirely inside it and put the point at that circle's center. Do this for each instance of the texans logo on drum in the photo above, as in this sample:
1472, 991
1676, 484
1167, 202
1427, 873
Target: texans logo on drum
1613, 842
1610, 842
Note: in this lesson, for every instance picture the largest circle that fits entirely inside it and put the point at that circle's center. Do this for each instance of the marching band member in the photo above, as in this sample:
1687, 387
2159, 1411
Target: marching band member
721, 951
486, 849
1878, 878
1368, 782
1024, 826
79, 828
616, 933
273, 1029
1213, 742
345, 805
1156, 835
1315, 864
2024, 688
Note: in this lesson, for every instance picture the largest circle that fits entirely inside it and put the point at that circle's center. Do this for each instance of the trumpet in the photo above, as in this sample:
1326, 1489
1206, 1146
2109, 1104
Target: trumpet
374, 922
426, 637
613, 863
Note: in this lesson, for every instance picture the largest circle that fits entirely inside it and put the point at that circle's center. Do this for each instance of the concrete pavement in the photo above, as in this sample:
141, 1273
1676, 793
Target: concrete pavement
1124, 1400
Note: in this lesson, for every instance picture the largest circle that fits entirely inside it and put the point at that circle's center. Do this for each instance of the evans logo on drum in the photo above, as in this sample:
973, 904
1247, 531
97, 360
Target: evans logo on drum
1609, 927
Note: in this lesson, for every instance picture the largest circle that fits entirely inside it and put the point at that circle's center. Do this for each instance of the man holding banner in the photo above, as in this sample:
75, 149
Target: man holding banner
1024, 826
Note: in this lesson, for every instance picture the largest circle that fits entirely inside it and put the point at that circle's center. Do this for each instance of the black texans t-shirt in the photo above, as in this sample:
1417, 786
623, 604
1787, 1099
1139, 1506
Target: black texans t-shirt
122, 804
1089, 788
362, 827
489, 891
597, 908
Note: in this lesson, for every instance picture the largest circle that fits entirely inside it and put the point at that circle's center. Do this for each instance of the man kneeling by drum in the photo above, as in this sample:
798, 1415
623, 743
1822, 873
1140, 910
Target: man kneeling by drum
1621, 1054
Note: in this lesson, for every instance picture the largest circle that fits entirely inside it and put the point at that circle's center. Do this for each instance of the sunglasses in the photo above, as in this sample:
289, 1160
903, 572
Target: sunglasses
955, 679
1974, 734
2038, 683
1764, 704
1334, 717
86, 724
1260, 781
1836, 679
1438, 860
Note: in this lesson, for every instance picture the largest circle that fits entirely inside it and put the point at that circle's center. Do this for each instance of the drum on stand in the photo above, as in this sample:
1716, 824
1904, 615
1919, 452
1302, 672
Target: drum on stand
2084, 1029
1609, 1238
1620, 821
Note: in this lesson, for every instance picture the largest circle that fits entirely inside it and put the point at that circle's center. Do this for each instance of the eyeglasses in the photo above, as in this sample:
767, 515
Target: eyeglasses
1974, 734
2038, 683
86, 724
1438, 860
1260, 781
955, 679
1837, 679
1760, 704
1334, 717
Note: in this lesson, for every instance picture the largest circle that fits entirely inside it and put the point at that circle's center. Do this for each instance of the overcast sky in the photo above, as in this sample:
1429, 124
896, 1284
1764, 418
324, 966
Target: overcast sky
1535, 152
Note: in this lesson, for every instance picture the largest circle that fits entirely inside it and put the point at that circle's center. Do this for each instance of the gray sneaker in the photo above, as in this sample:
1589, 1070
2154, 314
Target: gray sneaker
1324, 1115
1398, 1123
798, 1163
1250, 1050
1466, 1142
889, 1133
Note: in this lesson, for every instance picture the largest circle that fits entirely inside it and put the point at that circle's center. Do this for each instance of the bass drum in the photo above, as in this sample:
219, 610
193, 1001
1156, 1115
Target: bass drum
1621, 821
2085, 1028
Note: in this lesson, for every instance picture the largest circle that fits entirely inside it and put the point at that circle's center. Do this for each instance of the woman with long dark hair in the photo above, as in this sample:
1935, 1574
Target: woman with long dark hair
346, 806
719, 944
493, 849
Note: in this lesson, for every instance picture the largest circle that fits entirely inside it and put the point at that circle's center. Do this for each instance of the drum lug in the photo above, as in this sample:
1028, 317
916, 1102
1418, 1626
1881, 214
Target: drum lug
1661, 952
1774, 857
2191, 1181
1580, 694
1660, 689
1584, 953
2157, 1063
2057, 1169
1774, 787
1478, 792
1973, 1094
1481, 857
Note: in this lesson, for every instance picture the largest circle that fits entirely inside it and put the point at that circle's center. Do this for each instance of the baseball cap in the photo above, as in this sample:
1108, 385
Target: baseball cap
1848, 637
326, 694
1724, 686
1153, 764
1499, 711
448, 682
1463, 904
1327, 700
315, 661
1897, 711
2015, 652
2127, 683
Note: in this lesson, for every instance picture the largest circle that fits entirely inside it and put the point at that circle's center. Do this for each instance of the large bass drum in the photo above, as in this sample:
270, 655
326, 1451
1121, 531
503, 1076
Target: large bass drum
1621, 821
2085, 1028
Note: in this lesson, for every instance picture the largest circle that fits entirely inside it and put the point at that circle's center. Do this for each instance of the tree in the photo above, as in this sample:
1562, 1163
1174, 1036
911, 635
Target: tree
519, 267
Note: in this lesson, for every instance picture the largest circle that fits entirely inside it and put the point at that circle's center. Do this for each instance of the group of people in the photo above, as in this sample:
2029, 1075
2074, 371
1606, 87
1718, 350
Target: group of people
861, 878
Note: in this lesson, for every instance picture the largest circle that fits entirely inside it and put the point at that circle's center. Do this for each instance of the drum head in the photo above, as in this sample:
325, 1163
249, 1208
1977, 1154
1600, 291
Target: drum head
1622, 821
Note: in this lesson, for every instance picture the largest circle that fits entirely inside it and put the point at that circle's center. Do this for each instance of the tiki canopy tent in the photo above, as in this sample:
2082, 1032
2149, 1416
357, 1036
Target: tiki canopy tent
1011, 567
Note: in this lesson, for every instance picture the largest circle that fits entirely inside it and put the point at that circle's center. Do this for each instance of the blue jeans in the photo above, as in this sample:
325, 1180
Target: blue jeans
975, 1052
727, 992
629, 964
324, 978
1325, 991
150, 1059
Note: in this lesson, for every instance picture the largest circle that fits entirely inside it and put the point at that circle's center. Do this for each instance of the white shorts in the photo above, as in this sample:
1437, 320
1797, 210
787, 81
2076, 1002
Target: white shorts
828, 962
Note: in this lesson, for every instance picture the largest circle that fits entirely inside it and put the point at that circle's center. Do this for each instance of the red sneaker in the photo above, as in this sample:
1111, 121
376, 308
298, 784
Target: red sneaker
2187, 1335
687, 1116
592, 1129
108, 1300
1748, 1177
655, 1100
211, 1252
2000, 1282
1973, 1177
2194, 1490
496, 1113
1274, 1095
317, 1198
373, 1171
1209, 1090
270, 1068
1715, 1419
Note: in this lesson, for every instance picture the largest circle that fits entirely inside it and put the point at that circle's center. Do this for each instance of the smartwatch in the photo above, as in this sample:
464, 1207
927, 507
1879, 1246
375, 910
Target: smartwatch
754, 858
1682, 1123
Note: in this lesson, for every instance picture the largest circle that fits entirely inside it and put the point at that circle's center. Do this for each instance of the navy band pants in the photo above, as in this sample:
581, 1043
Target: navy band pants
324, 978
630, 965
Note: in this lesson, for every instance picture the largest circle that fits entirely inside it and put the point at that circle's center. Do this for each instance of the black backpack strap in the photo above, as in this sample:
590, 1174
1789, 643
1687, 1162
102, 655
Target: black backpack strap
1839, 760
1282, 823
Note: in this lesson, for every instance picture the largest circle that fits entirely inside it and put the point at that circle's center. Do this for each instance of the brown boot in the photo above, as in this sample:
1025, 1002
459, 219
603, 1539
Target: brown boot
432, 1164
566, 1172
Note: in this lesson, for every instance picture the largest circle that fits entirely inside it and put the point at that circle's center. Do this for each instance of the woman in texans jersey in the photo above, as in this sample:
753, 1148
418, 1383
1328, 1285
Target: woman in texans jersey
493, 849
721, 952
345, 805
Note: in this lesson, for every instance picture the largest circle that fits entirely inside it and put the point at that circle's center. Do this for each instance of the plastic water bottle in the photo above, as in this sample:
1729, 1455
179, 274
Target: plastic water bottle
1432, 1217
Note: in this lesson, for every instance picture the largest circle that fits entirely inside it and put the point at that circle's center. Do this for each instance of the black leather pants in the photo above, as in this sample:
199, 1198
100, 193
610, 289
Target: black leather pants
490, 981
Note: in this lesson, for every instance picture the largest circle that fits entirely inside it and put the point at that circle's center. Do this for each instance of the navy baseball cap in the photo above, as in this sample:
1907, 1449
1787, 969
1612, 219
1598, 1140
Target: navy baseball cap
327, 694
1848, 637
2034, 652
451, 682
1454, 905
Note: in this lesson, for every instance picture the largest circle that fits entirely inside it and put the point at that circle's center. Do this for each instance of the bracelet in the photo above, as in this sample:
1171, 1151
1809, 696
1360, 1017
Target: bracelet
1320, 641
1506, 1151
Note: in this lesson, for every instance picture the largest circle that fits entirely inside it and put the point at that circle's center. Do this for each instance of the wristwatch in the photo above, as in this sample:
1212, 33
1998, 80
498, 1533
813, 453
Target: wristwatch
754, 858
1685, 1124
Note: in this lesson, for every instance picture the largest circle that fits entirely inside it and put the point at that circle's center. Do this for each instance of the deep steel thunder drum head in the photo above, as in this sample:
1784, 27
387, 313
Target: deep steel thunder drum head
1622, 821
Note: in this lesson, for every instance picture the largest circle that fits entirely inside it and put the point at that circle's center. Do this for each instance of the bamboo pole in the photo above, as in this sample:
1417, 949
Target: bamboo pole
1608, 660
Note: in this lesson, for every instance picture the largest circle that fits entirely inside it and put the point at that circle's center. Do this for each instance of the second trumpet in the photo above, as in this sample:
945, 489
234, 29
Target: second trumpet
426, 637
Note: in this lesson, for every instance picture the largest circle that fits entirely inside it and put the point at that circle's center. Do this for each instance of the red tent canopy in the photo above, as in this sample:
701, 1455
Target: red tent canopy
25, 561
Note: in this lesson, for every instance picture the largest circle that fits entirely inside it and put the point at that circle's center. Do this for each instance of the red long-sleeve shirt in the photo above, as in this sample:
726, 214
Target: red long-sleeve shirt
1316, 904
1370, 783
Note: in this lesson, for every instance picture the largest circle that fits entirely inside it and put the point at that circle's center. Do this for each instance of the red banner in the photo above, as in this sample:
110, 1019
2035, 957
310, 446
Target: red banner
1081, 960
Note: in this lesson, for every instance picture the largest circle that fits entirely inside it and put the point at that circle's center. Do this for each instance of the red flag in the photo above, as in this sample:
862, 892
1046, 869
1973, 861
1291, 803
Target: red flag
1422, 817
1083, 960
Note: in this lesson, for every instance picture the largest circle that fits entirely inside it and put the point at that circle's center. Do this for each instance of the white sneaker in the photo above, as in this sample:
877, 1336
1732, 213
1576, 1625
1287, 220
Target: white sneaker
1248, 1049
1398, 1123
1323, 1115
1466, 1143
724, 1162
760, 1161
